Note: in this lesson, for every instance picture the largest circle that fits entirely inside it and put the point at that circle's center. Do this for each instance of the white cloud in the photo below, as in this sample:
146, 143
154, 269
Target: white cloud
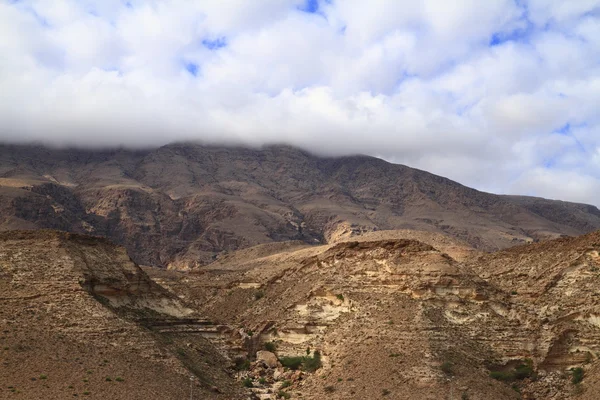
414, 82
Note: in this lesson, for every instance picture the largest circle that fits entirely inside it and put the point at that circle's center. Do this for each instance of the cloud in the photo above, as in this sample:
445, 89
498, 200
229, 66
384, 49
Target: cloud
500, 95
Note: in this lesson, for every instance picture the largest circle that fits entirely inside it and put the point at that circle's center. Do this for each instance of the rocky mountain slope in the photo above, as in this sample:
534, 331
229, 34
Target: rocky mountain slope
393, 317
78, 319
392, 314
181, 205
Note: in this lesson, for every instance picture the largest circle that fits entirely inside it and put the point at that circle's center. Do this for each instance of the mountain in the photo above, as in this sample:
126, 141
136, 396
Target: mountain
395, 317
182, 205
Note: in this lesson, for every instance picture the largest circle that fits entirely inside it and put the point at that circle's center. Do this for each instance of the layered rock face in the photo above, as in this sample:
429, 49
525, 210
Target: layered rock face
382, 316
74, 312
182, 205
399, 318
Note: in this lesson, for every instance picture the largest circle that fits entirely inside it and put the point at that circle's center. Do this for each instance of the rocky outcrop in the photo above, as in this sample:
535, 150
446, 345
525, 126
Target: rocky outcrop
399, 317
81, 318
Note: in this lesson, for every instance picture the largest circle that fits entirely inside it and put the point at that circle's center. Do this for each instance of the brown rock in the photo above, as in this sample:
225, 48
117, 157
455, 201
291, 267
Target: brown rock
267, 358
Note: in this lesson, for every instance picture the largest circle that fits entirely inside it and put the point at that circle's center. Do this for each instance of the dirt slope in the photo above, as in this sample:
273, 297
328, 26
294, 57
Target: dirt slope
76, 320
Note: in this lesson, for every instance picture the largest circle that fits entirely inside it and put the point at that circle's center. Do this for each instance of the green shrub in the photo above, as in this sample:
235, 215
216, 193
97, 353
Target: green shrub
577, 375
242, 364
43, 376
340, 297
283, 395
270, 346
262, 381
119, 379
247, 382
313, 363
259, 295
308, 363
521, 371
291, 362
286, 384
502, 375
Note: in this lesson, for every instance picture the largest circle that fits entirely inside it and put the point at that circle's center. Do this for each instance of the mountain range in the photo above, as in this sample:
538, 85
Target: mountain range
185, 204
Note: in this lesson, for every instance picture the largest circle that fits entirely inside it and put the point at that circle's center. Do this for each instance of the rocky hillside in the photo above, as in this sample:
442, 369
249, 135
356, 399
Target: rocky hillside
181, 205
78, 319
396, 318
392, 314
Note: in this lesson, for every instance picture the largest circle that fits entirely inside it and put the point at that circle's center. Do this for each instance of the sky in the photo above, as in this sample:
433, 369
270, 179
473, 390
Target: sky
499, 95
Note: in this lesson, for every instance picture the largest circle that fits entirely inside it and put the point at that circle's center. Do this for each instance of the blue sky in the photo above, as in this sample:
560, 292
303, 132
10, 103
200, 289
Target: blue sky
501, 95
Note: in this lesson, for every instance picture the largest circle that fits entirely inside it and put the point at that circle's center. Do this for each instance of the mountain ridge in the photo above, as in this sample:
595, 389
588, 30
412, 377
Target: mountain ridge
183, 204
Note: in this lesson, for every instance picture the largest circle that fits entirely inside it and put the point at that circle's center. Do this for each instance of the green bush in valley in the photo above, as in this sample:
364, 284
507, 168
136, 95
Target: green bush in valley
522, 371
313, 363
577, 375
291, 362
307, 363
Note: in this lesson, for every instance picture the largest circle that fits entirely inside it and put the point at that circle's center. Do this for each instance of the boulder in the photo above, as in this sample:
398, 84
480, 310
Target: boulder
267, 358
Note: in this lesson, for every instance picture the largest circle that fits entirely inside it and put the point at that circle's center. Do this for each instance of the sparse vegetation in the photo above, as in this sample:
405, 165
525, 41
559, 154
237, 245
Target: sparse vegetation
262, 381
270, 346
385, 392
119, 379
291, 362
242, 364
577, 375
514, 293
521, 371
340, 297
447, 367
247, 383
329, 389
286, 384
313, 363
43, 376
259, 295
307, 363
283, 395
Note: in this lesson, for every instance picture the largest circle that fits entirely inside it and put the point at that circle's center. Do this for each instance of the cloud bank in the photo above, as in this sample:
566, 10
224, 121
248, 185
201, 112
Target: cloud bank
501, 95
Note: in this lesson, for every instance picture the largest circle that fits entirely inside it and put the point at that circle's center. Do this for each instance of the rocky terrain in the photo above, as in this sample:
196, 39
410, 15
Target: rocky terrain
391, 314
394, 317
78, 319
182, 205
